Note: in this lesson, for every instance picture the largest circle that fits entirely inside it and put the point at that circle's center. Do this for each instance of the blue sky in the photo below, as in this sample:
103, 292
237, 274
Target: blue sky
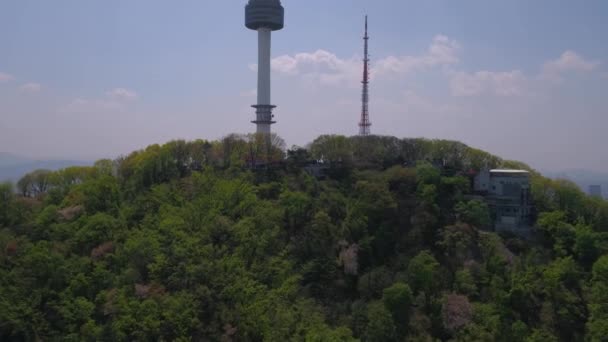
526, 80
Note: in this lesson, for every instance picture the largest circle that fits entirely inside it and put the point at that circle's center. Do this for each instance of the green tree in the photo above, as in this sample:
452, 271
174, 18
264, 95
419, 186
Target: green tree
474, 212
398, 300
332, 148
100, 195
427, 173
465, 283
380, 327
423, 273
297, 206
598, 301
6, 204
561, 234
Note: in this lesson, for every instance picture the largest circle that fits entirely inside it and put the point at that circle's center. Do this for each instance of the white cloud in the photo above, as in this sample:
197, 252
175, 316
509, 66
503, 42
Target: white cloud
442, 51
569, 61
325, 67
4, 77
122, 94
514, 82
31, 87
320, 66
499, 83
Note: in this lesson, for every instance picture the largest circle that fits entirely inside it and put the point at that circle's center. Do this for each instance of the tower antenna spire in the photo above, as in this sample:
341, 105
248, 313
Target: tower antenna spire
365, 124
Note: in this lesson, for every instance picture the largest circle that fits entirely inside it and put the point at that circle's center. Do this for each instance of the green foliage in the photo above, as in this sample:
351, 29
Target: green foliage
380, 326
332, 148
464, 283
561, 234
474, 212
423, 273
427, 173
598, 300
398, 300
6, 204
230, 241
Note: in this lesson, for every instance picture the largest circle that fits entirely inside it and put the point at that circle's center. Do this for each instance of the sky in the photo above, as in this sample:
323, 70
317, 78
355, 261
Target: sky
525, 80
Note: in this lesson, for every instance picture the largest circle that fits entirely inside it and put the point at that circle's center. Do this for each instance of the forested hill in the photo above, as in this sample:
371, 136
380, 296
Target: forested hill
233, 240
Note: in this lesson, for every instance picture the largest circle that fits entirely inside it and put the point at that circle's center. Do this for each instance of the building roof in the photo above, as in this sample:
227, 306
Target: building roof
509, 171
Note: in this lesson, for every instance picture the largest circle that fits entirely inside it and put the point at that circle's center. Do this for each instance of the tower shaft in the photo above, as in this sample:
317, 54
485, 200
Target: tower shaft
263, 107
264, 46
364, 123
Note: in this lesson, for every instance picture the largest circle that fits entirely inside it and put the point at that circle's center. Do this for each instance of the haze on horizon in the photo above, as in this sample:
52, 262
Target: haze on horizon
520, 79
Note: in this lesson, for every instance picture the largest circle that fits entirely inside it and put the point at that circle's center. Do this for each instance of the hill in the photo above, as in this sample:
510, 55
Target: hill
236, 240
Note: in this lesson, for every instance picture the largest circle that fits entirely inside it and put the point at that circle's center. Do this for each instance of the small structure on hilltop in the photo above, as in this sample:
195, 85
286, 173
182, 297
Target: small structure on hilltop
507, 193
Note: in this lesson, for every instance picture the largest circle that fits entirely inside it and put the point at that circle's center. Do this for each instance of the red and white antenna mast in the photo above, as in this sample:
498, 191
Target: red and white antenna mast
365, 124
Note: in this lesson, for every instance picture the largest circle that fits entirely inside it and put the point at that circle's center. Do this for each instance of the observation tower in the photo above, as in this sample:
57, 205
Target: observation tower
264, 16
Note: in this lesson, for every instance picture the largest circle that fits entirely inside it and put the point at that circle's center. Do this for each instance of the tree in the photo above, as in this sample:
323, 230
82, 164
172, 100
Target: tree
100, 195
25, 185
297, 206
40, 181
332, 148
459, 243
456, 312
427, 173
398, 300
264, 149
474, 212
598, 301
423, 273
297, 157
6, 204
380, 326
564, 305
561, 234
375, 200
586, 245
464, 283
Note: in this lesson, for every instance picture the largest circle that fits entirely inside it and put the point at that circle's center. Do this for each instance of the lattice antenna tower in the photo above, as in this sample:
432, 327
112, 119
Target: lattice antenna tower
365, 124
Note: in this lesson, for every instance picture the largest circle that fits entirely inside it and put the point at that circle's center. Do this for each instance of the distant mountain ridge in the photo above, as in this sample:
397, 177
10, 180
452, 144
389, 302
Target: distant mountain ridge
13, 167
583, 178
9, 159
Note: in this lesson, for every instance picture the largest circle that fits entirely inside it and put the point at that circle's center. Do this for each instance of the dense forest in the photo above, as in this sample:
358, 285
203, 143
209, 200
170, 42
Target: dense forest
361, 238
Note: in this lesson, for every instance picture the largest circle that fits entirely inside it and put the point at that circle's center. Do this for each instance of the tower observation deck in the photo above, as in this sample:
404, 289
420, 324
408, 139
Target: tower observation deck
264, 16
